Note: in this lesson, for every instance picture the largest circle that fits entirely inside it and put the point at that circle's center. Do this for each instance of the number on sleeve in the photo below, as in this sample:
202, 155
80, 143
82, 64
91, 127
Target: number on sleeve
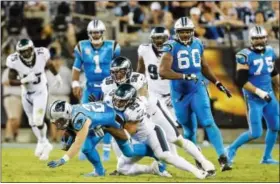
97, 64
152, 69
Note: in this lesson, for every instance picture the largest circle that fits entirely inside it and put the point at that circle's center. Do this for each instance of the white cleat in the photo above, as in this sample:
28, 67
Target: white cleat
46, 151
39, 149
202, 175
209, 167
155, 168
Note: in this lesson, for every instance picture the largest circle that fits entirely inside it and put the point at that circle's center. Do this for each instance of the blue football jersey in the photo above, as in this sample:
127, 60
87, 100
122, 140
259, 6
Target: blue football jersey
95, 62
98, 112
186, 60
260, 67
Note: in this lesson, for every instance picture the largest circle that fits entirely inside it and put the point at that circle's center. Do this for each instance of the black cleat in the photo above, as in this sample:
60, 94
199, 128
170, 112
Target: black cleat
225, 165
115, 173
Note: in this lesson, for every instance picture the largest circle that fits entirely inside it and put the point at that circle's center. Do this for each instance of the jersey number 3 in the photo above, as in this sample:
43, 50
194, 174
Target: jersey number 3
184, 61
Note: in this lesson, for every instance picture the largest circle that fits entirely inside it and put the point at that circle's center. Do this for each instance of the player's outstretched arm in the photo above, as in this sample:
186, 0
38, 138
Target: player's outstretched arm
165, 70
241, 78
117, 133
207, 72
75, 147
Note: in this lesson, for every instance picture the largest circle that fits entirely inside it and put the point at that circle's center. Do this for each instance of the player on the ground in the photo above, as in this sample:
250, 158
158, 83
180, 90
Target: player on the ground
27, 68
121, 72
133, 112
256, 72
95, 56
183, 64
86, 124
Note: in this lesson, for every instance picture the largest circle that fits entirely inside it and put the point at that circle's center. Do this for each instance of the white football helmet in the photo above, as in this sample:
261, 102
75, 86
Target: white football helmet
184, 29
158, 36
25, 48
60, 114
258, 37
95, 30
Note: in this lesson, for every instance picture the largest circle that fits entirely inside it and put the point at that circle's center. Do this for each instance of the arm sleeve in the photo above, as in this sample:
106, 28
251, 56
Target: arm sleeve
78, 59
117, 50
139, 51
47, 54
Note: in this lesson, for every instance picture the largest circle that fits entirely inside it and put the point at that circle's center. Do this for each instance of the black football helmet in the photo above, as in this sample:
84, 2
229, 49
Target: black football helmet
25, 48
158, 36
123, 96
121, 69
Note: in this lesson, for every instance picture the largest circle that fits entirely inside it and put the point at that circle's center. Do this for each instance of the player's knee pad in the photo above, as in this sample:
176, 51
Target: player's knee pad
87, 149
41, 126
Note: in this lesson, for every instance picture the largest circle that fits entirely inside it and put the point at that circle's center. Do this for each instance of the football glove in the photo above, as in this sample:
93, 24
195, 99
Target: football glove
98, 131
223, 89
31, 77
56, 163
190, 77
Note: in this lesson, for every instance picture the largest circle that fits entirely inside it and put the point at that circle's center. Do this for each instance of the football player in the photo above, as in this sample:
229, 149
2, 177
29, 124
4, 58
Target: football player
121, 72
88, 122
27, 68
132, 110
256, 72
183, 65
95, 56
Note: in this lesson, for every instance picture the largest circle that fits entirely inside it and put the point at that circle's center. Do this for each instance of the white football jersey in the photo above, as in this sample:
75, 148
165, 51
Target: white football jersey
152, 62
137, 112
137, 80
42, 55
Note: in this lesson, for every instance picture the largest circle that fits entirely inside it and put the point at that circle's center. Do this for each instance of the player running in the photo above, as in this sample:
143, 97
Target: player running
256, 72
27, 68
183, 64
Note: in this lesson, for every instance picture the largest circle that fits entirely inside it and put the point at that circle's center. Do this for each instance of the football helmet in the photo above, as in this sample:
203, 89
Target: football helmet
60, 114
95, 30
258, 37
184, 29
121, 69
123, 96
158, 36
25, 48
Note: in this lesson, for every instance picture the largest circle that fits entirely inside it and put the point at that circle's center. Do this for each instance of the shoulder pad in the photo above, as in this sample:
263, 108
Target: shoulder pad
242, 56
168, 46
108, 98
135, 112
107, 85
78, 121
11, 60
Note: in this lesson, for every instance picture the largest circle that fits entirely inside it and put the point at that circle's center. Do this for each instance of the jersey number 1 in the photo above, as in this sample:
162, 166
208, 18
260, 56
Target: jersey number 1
97, 64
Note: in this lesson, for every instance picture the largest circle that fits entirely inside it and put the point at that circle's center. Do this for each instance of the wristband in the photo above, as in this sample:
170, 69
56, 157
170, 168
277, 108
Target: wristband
66, 158
216, 83
184, 76
75, 84
260, 93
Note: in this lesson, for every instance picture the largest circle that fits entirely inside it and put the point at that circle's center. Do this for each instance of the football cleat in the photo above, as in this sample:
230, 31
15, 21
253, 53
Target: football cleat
39, 149
159, 169
46, 151
95, 174
269, 161
225, 165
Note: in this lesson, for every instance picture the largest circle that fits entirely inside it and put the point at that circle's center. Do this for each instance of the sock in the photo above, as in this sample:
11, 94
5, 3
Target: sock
182, 164
37, 133
270, 140
139, 169
191, 148
107, 142
242, 139
43, 133
215, 138
94, 159
173, 149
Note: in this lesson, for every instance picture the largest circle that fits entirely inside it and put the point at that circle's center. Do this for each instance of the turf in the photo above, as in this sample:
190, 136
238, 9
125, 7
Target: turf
19, 165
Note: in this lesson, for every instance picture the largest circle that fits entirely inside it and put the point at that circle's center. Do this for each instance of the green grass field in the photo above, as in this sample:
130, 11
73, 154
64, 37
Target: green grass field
19, 165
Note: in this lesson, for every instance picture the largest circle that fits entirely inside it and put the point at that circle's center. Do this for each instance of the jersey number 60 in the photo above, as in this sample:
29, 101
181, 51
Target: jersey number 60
184, 61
